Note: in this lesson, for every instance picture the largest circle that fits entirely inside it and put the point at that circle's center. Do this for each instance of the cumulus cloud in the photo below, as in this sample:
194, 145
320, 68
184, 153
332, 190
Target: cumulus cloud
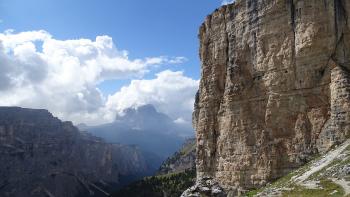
170, 92
39, 71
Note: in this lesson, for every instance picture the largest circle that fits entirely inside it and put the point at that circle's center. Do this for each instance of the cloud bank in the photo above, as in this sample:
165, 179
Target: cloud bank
39, 71
171, 92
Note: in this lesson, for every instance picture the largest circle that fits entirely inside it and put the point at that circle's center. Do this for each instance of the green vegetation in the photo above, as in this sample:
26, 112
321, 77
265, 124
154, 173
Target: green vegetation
285, 181
334, 164
328, 188
170, 185
287, 187
185, 156
252, 193
190, 147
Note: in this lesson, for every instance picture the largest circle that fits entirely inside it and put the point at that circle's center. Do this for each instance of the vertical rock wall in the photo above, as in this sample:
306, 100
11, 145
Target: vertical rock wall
275, 88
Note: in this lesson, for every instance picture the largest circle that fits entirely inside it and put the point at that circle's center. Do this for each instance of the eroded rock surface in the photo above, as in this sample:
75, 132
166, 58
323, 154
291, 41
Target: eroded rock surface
205, 186
42, 156
274, 90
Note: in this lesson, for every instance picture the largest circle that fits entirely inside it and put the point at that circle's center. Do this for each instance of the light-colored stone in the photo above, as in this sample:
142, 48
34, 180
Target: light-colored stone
206, 186
274, 88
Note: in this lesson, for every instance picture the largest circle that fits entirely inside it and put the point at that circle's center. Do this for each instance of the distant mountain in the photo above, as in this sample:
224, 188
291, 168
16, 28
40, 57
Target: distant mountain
42, 156
155, 133
147, 118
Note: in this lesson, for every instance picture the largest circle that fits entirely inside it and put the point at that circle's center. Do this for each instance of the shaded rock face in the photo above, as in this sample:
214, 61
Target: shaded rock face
42, 156
275, 88
176, 174
182, 160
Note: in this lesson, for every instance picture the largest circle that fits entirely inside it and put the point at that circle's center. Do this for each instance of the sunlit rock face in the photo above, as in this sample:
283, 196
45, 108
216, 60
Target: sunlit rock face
274, 89
42, 156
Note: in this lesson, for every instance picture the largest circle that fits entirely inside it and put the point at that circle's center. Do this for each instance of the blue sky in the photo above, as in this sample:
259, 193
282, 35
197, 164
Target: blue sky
145, 29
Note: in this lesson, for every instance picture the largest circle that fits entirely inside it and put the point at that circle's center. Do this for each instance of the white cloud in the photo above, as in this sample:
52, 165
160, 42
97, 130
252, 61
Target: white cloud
39, 71
170, 92
166, 60
225, 2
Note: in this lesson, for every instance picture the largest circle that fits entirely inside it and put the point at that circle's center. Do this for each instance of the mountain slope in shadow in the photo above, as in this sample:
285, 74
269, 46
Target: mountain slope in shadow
157, 135
43, 156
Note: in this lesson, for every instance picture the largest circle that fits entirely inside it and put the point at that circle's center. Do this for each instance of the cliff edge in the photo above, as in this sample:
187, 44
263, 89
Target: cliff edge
274, 89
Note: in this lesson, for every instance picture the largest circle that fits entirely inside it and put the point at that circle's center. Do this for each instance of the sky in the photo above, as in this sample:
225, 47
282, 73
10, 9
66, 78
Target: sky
86, 60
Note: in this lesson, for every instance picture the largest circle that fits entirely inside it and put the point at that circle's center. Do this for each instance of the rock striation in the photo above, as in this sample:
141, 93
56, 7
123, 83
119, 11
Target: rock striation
43, 156
274, 89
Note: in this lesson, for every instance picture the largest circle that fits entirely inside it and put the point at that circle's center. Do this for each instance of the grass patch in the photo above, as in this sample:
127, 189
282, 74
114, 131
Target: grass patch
333, 164
188, 149
286, 180
317, 174
329, 188
346, 149
253, 193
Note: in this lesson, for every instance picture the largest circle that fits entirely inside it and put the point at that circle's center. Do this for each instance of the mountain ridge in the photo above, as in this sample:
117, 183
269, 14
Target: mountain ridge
43, 156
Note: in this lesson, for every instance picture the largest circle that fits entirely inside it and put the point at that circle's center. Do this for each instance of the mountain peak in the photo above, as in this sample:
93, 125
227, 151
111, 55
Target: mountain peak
147, 109
145, 116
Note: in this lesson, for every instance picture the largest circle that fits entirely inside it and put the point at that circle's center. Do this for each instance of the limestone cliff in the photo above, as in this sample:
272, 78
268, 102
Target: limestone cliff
274, 89
42, 156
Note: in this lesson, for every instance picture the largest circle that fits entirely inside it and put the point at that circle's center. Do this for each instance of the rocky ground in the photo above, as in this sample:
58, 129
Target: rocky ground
205, 187
326, 175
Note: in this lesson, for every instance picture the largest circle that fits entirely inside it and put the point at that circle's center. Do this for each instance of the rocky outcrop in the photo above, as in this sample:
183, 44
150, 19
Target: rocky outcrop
327, 175
182, 160
42, 156
274, 90
206, 186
